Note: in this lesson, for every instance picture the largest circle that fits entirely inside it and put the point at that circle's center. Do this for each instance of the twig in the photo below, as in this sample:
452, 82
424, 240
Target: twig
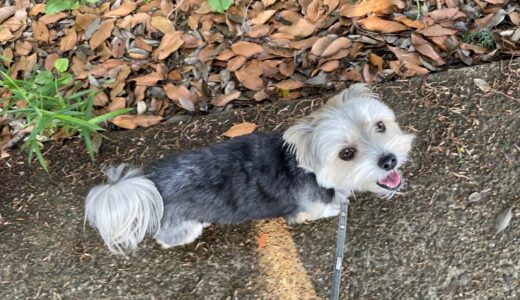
245, 11
175, 10
17, 138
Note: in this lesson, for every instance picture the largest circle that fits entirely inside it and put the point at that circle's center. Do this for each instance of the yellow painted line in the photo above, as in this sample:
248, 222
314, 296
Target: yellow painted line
282, 271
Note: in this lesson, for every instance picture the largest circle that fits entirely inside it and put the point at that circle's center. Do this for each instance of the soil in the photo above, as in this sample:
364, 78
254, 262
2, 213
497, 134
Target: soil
428, 242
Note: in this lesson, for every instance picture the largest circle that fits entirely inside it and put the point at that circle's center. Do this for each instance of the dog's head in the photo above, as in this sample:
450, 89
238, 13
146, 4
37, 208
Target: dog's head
352, 143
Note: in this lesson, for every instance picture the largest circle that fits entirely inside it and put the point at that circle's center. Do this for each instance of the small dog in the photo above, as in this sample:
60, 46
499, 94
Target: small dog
352, 143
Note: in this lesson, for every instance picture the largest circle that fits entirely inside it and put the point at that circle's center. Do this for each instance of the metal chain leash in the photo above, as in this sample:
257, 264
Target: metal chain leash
340, 249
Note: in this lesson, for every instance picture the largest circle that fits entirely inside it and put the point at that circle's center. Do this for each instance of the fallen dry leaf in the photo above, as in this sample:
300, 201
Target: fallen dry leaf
83, 21
267, 3
330, 66
418, 24
178, 92
410, 60
116, 103
270, 68
123, 10
259, 31
437, 30
304, 44
236, 63
287, 68
496, 1
289, 84
320, 45
133, 121
374, 23
69, 40
21, 48
101, 99
263, 17
482, 85
118, 47
376, 60
40, 31
249, 75
240, 129
246, 49
426, 48
225, 55
103, 33
50, 19
362, 8
163, 24
515, 18
5, 34
193, 23
50, 60
337, 45
503, 220
353, 75
6, 12
170, 43
222, 100
260, 95
191, 42
446, 14
148, 79
300, 29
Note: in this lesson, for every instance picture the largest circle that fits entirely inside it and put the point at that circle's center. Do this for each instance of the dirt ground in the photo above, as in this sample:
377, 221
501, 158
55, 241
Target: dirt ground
429, 242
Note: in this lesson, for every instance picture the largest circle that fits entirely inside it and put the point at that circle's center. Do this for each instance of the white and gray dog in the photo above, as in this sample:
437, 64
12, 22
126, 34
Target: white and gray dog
352, 143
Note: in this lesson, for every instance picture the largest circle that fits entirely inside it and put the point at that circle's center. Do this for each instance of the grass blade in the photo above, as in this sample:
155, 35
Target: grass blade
88, 143
109, 115
79, 122
36, 149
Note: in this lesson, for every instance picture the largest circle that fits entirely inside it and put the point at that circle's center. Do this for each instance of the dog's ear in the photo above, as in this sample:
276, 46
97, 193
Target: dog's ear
298, 138
354, 91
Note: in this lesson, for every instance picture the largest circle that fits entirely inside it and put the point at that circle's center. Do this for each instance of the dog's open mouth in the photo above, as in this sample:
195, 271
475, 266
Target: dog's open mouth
391, 182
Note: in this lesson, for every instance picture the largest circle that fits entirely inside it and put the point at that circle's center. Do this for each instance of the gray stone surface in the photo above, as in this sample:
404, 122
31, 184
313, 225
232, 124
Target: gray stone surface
431, 242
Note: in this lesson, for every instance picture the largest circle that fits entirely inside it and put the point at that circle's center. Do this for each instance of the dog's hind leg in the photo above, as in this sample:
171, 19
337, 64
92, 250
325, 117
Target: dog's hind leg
180, 234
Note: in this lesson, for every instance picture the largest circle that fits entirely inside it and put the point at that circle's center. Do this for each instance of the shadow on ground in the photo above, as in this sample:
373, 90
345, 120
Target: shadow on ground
429, 242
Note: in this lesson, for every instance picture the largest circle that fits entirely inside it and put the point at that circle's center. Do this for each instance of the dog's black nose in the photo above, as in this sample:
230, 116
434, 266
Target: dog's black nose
387, 162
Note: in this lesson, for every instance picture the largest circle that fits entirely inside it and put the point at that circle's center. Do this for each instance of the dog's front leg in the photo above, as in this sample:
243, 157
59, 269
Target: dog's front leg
332, 209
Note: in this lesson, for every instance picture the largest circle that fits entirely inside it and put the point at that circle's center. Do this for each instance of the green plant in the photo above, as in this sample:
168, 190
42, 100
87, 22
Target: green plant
418, 5
482, 38
220, 5
56, 6
47, 102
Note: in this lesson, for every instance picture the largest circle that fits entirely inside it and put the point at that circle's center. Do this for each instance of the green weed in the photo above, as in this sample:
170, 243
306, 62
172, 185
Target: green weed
56, 6
483, 38
47, 102
220, 6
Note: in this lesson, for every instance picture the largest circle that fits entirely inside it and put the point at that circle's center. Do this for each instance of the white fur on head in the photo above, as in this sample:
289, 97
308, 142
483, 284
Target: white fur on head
349, 120
356, 90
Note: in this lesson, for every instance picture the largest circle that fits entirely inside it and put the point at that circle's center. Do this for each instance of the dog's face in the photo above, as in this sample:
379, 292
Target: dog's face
352, 143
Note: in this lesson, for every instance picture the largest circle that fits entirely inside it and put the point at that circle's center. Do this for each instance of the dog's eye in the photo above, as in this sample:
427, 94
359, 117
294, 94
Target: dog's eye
347, 153
380, 127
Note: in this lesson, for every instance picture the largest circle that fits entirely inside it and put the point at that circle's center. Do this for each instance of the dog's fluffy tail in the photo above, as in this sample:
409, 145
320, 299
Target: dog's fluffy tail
124, 209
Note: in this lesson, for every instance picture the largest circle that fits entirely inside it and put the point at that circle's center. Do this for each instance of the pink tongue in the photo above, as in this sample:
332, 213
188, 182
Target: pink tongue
392, 180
